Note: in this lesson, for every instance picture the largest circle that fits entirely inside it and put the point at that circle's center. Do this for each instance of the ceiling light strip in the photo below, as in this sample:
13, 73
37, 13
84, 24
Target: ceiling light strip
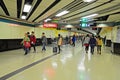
89, 16
62, 13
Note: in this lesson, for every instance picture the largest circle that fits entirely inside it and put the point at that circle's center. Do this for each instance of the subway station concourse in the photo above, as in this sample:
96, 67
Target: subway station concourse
59, 39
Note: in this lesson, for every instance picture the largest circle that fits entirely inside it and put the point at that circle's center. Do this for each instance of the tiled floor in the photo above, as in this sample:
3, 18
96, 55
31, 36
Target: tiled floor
72, 64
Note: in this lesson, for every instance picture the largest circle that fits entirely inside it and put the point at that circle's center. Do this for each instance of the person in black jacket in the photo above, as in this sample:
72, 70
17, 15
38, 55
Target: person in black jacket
92, 43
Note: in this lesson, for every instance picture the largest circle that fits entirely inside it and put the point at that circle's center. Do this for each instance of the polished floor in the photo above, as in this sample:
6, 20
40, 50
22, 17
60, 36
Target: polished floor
71, 64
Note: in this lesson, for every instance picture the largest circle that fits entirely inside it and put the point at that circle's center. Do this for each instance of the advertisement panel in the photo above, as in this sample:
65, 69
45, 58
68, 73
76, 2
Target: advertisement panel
50, 25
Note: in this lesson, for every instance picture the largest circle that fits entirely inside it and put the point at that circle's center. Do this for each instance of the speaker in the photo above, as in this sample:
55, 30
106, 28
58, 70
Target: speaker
58, 28
78, 28
94, 28
68, 28
93, 24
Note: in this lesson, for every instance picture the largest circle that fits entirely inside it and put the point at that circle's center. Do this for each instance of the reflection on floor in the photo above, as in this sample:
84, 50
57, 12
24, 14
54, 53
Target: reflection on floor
71, 64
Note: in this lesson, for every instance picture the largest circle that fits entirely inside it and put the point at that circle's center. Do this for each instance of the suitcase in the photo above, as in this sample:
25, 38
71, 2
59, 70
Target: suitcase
54, 49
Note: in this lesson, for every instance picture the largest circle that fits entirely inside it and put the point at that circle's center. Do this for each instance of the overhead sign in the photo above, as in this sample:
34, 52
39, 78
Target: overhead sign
84, 19
84, 22
50, 25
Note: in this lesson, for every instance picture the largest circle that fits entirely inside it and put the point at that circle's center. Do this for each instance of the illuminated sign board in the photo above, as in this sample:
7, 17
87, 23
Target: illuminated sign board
50, 25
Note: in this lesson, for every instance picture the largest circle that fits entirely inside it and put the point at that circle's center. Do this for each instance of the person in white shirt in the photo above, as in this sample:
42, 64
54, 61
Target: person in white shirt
86, 42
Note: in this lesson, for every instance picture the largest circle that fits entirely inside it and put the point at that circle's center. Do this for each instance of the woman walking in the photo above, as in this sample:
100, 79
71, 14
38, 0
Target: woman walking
59, 42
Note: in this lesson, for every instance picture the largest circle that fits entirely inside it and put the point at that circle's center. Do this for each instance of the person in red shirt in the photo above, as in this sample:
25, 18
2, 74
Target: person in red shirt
33, 41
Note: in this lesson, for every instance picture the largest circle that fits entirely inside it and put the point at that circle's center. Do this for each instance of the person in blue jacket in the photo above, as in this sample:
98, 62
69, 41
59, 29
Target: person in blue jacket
73, 40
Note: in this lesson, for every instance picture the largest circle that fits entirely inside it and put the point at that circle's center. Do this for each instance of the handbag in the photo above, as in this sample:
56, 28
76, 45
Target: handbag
86, 44
27, 44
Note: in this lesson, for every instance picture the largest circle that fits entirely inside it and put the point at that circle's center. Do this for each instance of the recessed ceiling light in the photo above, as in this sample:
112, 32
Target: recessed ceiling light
69, 26
23, 17
27, 8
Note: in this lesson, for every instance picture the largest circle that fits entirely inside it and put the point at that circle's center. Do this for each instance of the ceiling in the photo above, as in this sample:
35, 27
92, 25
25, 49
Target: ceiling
107, 10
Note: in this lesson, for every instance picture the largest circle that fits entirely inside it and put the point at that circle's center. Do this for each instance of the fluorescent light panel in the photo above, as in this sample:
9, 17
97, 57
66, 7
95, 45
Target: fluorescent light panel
23, 17
27, 8
62, 13
89, 16
69, 26
88, 0
47, 20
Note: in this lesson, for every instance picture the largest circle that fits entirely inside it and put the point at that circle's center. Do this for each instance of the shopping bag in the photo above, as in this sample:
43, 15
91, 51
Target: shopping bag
27, 44
86, 44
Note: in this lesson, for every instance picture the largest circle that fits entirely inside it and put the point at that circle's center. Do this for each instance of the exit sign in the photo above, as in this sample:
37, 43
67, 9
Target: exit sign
84, 22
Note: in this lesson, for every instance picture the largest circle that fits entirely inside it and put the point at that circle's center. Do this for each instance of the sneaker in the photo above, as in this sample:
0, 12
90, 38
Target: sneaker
25, 54
58, 52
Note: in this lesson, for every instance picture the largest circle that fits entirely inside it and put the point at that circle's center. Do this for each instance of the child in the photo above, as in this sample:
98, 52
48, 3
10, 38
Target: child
26, 43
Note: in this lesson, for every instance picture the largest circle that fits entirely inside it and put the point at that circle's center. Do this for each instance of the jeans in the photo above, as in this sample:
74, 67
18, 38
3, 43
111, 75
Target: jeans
99, 48
86, 48
26, 50
92, 46
59, 48
73, 44
33, 45
43, 47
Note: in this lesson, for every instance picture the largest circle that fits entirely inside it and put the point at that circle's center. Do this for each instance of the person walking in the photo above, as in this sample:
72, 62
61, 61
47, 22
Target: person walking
66, 40
86, 42
44, 42
73, 40
70, 41
33, 41
92, 43
60, 40
99, 44
26, 43
28, 34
